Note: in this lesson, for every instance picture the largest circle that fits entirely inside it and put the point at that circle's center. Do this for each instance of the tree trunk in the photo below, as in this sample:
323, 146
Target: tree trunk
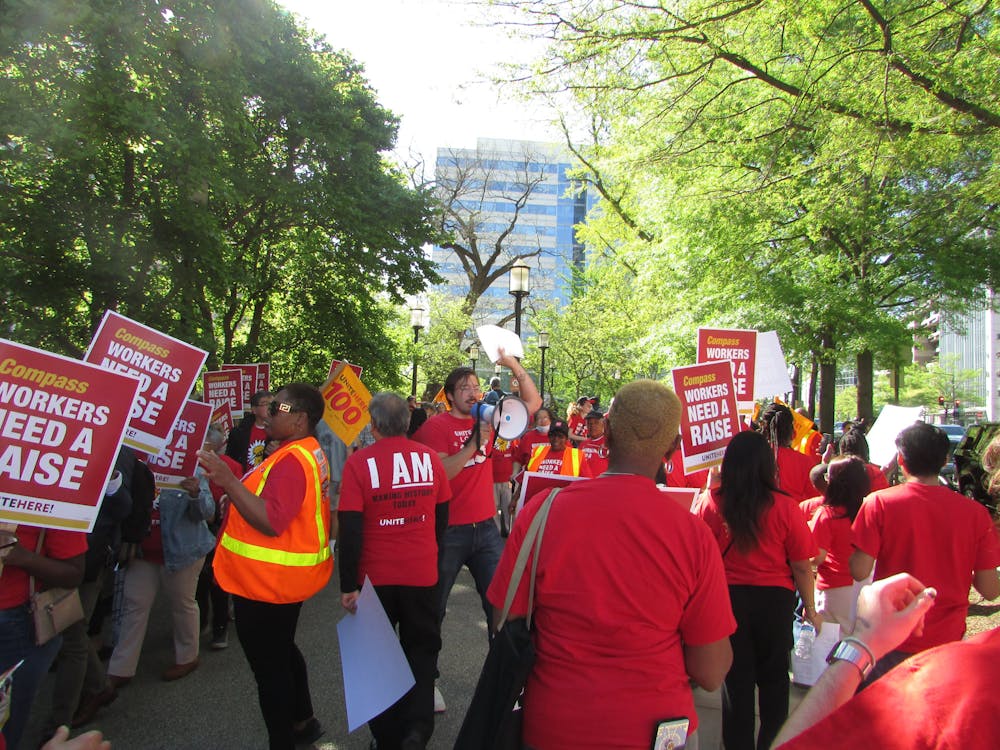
828, 382
797, 386
813, 383
866, 386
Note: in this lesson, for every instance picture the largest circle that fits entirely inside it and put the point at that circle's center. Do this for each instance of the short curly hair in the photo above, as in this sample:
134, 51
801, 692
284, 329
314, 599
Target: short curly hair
645, 416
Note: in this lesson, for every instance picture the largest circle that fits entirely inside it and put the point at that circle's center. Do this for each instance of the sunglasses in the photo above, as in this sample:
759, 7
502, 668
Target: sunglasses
275, 406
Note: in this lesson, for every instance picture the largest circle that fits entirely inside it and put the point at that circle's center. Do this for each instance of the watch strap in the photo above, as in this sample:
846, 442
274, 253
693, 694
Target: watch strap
855, 652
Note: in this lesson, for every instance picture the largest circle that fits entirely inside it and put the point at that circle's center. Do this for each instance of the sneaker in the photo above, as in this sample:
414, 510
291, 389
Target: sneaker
220, 640
439, 705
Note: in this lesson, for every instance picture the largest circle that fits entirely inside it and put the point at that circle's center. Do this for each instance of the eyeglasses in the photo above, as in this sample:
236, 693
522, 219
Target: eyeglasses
275, 406
466, 389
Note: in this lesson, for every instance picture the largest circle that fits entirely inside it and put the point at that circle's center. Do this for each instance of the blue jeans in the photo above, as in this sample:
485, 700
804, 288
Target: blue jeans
17, 641
478, 546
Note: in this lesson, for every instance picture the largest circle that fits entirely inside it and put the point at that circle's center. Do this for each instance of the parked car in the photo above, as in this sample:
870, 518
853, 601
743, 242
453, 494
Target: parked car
971, 478
955, 433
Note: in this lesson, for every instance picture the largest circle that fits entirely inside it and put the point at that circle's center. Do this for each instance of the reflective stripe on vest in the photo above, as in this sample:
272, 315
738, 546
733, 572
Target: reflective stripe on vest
282, 557
542, 452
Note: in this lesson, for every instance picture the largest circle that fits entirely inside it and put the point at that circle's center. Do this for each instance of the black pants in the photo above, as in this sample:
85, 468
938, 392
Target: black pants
415, 610
761, 646
267, 635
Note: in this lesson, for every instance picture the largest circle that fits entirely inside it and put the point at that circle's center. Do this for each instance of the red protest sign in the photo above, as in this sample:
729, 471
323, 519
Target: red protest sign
263, 377
248, 382
222, 417
736, 346
62, 422
336, 363
224, 387
179, 458
167, 368
709, 417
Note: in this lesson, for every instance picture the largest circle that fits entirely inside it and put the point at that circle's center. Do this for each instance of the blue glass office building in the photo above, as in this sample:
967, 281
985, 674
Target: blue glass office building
488, 187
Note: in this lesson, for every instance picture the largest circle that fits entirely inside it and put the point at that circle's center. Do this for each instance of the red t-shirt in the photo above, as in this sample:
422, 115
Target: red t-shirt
472, 490
503, 460
677, 478
784, 536
152, 544
937, 535
942, 698
876, 478
625, 578
58, 544
793, 473
810, 506
255, 448
578, 426
595, 451
526, 445
832, 531
396, 484
284, 492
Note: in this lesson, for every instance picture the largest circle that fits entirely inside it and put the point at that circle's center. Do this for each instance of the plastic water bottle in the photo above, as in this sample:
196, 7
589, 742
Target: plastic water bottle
804, 643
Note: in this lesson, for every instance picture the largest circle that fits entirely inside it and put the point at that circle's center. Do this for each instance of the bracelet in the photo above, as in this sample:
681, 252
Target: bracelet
854, 651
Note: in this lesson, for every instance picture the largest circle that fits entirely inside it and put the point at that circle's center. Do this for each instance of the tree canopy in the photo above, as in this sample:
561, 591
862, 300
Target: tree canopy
822, 168
210, 169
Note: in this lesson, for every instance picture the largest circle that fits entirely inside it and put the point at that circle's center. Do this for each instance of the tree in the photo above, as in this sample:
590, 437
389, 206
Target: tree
819, 169
209, 169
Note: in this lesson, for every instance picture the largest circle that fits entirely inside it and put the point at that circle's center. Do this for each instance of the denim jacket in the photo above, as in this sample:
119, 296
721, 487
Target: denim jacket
183, 518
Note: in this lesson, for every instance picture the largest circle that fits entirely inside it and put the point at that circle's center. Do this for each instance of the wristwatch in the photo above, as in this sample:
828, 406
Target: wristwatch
855, 652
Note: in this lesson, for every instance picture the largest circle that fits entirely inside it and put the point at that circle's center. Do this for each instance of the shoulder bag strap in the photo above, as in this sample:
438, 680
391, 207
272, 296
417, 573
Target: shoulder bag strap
530, 542
31, 579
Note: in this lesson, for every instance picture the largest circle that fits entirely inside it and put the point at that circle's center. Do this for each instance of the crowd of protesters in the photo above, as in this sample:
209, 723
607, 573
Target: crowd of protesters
635, 599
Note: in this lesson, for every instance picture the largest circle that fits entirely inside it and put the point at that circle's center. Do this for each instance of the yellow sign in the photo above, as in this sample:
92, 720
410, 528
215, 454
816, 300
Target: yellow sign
346, 401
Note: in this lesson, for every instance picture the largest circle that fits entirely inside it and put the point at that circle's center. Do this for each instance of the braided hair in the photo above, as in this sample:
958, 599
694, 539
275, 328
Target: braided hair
778, 428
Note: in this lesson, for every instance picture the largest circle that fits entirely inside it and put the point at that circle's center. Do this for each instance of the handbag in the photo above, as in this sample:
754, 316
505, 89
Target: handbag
492, 721
53, 610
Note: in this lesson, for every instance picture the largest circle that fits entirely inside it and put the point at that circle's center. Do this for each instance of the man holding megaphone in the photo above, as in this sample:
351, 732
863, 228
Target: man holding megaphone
463, 442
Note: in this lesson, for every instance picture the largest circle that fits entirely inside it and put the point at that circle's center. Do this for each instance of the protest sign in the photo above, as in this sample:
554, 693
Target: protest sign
771, 371
222, 417
346, 400
738, 347
441, 398
683, 496
709, 418
248, 382
263, 377
179, 458
533, 482
224, 387
891, 421
336, 363
167, 369
62, 422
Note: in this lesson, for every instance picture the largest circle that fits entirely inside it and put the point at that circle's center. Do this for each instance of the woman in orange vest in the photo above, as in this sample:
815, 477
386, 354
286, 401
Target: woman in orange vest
556, 457
273, 554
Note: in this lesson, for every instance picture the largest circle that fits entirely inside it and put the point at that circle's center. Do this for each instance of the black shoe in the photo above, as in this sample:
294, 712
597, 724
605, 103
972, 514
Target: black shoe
311, 732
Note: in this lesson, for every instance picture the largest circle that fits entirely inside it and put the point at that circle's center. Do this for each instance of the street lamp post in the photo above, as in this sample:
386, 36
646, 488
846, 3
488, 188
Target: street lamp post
543, 344
519, 290
473, 357
416, 323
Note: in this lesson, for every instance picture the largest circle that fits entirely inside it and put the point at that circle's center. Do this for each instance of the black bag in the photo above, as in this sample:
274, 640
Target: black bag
492, 721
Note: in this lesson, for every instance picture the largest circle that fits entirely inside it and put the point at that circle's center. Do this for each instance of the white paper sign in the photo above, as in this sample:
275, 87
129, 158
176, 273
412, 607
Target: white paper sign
494, 337
771, 370
882, 436
376, 673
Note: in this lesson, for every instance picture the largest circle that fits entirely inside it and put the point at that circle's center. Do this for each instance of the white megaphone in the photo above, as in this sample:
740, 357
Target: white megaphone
509, 417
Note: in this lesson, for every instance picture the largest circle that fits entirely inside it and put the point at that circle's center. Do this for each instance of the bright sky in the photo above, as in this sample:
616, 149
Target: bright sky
430, 66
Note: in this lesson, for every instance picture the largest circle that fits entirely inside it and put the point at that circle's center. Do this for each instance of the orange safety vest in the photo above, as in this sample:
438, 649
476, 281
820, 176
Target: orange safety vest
297, 563
569, 468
